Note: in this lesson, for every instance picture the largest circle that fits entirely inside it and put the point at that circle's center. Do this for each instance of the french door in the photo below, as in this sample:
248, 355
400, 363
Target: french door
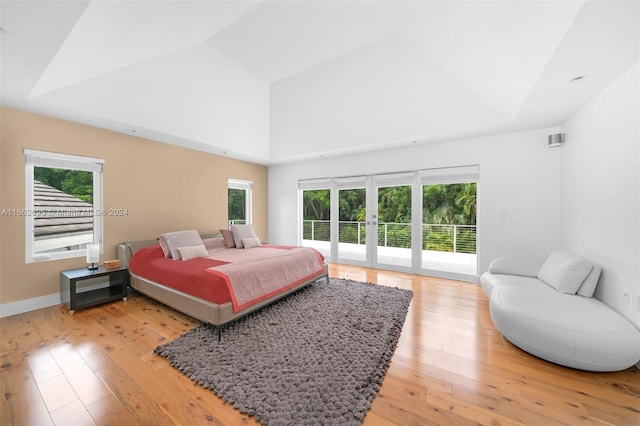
351, 225
422, 222
392, 227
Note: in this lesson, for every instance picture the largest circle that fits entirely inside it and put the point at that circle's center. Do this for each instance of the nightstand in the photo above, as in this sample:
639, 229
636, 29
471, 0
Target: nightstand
82, 288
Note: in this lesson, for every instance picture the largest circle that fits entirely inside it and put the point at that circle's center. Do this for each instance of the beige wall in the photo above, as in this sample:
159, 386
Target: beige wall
163, 187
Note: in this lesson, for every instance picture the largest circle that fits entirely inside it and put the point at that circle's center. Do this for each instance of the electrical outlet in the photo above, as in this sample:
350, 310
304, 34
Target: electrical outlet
626, 297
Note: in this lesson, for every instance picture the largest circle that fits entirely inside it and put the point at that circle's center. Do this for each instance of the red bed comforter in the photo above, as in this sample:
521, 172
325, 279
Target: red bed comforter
191, 276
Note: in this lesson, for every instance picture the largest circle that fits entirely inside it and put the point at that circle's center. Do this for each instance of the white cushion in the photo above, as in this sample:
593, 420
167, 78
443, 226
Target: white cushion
564, 271
251, 242
588, 287
175, 240
490, 281
240, 232
192, 252
515, 265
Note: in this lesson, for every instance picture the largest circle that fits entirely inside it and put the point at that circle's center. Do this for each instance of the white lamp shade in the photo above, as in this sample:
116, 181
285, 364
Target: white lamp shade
93, 253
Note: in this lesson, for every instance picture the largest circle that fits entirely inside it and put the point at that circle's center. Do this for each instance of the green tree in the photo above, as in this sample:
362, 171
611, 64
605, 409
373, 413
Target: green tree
78, 183
466, 199
453, 204
449, 204
352, 205
394, 204
237, 205
316, 204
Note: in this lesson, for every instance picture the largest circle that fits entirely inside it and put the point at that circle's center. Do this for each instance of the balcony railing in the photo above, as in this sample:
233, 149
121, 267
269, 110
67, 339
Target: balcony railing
438, 237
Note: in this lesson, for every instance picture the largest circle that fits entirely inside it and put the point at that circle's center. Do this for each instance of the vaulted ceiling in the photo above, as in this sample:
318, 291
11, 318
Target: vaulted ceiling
278, 81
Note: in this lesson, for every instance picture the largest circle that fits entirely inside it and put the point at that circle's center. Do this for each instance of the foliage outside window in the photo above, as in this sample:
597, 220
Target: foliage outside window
448, 216
239, 202
394, 216
63, 205
316, 214
448, 222
352, 212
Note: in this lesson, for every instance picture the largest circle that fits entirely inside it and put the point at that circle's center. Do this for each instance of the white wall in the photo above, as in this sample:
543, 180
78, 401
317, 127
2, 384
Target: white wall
518, 193
600, 182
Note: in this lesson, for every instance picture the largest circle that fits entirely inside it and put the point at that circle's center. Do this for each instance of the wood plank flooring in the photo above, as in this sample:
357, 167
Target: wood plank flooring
451, 366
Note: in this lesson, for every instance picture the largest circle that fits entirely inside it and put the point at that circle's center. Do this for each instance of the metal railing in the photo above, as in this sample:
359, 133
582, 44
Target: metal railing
236, 222
438, 237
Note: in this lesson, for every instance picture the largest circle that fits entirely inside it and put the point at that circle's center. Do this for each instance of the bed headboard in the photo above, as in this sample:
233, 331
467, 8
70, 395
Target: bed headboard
125, 250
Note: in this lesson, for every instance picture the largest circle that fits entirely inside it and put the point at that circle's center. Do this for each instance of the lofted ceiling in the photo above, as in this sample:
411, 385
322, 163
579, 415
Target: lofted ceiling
280, 81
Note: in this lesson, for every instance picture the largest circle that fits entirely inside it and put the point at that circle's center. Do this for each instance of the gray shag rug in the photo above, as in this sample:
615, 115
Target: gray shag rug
317, 356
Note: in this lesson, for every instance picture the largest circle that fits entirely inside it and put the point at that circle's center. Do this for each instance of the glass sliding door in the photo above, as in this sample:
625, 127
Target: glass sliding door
315, 201
423, 222
449, 231
351, 225
393, 224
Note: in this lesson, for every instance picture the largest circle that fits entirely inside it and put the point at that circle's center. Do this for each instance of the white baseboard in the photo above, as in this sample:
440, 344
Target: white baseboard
14, 308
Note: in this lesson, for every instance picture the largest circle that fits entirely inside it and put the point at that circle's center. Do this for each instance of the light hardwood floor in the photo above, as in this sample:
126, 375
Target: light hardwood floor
451, 366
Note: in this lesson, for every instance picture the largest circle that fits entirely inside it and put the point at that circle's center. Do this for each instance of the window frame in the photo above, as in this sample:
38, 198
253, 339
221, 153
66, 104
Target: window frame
34, 158
246, 185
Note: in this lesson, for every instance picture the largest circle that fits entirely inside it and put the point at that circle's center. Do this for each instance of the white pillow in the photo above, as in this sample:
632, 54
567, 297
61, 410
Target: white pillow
192, 252
515, 265
588, 286
564, 271
251, 242
240, 232
179, 239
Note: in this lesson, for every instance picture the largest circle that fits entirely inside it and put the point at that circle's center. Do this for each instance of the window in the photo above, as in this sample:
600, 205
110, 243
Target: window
63, 205
239, 196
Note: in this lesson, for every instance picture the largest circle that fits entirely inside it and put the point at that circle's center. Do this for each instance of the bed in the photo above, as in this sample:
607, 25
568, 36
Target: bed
210, 288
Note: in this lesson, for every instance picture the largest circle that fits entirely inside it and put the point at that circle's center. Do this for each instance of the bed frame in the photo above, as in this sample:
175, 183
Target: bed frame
203, 310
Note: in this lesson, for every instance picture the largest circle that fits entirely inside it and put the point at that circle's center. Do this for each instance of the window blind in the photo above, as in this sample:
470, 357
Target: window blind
239, 184
309, 184
444, 175
62, 161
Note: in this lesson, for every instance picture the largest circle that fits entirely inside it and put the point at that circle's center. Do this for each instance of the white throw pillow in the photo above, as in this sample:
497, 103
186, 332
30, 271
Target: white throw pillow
564, 271
175, 240
251, 242
515, 265
240, 232
192, 252
588, 286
